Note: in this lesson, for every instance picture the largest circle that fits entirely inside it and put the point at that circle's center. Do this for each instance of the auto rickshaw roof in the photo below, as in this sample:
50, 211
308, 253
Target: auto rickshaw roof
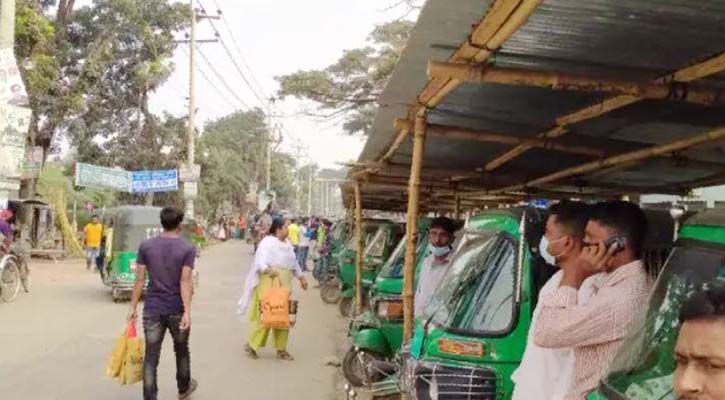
136, 215
709, 217
590, 139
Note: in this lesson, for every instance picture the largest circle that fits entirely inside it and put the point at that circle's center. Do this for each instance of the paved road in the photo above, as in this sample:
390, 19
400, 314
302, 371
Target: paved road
54, 342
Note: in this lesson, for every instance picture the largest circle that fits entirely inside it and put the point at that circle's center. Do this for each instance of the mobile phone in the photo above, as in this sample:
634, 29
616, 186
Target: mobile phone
618, 241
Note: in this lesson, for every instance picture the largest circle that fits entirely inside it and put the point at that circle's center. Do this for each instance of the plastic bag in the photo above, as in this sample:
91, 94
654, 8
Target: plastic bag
132, 370
275, 306
115, 362
126, 361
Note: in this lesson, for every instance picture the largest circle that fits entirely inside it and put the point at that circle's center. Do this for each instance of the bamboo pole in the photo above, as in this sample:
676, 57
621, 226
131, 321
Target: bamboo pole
419, 132
360, 248
688, 74
457, 207
563, 81
634, 156
457, 133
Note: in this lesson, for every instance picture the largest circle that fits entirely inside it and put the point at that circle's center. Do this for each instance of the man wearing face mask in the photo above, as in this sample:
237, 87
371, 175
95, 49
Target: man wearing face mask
440, 238
614, 239
546, 374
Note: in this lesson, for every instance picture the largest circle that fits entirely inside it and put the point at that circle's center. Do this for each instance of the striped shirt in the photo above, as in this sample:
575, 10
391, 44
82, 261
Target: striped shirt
595, 330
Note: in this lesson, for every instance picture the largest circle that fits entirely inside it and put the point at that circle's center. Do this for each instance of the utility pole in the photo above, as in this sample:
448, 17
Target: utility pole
191, 179
268, 186
309, 190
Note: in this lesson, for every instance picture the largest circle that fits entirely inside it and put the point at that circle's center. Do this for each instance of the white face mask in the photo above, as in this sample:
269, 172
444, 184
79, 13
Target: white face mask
544, 250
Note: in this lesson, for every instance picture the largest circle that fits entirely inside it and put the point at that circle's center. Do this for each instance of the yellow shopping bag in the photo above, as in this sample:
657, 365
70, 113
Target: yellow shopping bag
115, 362
126, 362
133, 362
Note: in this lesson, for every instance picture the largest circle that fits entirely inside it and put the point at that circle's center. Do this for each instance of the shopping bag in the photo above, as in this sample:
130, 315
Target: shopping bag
132, 368
115, 362
275, 306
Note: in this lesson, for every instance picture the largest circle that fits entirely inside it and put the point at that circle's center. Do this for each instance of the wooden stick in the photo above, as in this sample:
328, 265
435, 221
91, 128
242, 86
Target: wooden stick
456, 133
360, 248
564, 81
639, 155
688, 74
411, 228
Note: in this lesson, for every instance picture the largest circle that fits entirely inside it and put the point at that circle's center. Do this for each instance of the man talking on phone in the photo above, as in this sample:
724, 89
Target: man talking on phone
613, 245
169, 260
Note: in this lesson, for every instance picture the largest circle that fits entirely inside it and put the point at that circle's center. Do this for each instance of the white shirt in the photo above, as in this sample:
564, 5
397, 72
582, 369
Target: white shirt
547, 374
304, 240
431, 275
274, 253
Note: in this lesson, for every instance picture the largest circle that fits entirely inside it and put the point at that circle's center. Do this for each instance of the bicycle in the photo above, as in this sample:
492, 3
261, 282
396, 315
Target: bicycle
10, 278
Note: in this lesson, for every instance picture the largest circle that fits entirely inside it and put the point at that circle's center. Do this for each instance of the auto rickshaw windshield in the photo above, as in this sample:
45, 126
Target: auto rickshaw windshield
376, 245
644, 365
476, 294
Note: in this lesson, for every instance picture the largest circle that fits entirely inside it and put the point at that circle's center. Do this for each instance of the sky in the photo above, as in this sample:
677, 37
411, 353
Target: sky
276, 37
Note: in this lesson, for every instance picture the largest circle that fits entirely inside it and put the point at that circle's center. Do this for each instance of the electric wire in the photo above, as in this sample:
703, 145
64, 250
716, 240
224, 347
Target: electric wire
221, 78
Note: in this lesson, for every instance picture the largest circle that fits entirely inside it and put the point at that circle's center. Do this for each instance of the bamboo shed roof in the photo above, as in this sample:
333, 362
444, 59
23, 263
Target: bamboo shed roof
554, 98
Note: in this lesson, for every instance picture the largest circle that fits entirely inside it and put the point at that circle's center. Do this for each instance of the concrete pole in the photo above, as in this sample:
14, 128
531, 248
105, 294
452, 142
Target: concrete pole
309, 192
192, 104
7, 24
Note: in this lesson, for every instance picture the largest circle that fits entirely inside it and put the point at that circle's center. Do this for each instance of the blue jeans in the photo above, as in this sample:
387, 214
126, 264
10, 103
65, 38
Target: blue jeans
155, 327
302, 256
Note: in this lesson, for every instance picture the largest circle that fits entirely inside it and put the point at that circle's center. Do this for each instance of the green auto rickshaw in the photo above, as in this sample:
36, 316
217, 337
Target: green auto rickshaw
476, 326
377, 334
330, 284
377, 250
124, 229
644, 365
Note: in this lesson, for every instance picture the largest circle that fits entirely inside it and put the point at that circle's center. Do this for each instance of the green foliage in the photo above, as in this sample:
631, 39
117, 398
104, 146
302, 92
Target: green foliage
349, 89
232, 156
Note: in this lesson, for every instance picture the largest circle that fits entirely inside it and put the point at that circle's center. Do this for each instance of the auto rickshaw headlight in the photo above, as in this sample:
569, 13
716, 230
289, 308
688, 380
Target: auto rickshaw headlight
390, 309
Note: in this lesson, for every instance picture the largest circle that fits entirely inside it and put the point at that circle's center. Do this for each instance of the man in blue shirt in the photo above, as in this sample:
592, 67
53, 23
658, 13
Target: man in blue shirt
169, 260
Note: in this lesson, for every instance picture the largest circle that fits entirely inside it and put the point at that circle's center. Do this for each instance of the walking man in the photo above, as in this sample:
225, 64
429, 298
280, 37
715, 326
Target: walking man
169, 261
93, 232
304, 245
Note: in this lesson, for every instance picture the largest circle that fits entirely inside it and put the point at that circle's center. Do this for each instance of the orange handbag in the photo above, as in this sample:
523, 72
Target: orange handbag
275, 306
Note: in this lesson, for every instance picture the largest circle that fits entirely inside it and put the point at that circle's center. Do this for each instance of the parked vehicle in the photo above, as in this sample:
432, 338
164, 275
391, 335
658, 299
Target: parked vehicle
377, 250
377, 334
475, 329
644, 366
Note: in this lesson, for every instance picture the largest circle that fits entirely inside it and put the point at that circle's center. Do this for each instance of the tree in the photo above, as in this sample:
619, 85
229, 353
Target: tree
349, 89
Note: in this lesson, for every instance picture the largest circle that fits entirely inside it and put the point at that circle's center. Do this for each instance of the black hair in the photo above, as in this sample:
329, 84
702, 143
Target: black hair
94, 216
708, 303
626, 219
444, 223
277, 224
171, 218
573, 215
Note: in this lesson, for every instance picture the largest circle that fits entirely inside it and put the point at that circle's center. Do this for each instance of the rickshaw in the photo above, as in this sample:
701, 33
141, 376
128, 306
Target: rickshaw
644, 365
377, 334
125, 228
377, 250
473, 334
330, 283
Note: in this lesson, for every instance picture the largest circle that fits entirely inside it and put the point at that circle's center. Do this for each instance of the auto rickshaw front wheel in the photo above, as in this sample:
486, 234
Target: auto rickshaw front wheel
330, 292
9, 279
355, 367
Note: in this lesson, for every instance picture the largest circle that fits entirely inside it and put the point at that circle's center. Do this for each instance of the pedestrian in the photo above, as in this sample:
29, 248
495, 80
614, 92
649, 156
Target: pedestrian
242, 227
169, 260
93, 234
294, 236
613, 245
314, 225
275, 259
546, 374
699, 352
440, 237
304, 248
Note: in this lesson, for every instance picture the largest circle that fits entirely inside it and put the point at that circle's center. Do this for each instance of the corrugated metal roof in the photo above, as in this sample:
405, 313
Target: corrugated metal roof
617, 39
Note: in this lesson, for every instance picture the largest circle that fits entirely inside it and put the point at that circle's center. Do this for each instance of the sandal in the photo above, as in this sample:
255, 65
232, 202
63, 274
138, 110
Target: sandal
250, 352
283, 355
